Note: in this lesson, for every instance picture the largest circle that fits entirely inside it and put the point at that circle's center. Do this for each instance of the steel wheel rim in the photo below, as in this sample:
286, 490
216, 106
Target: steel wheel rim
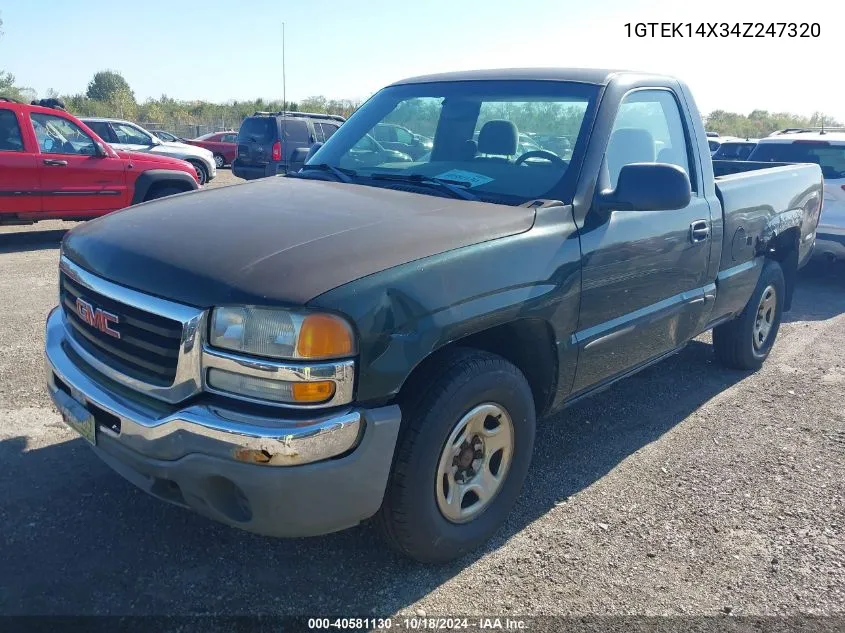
463, 488
218, 160
765, 318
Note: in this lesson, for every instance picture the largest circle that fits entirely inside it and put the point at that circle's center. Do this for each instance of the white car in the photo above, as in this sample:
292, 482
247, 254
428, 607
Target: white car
128, 136
826, 149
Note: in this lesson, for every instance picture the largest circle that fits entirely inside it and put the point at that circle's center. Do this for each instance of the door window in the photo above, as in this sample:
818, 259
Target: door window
328, 130
101, 128
131, 135
10, 132
319, 136
403, 136
57, 135
648, 129
384, 133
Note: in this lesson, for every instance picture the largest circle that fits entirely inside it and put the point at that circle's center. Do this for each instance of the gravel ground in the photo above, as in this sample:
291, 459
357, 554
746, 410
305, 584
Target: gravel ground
685, 490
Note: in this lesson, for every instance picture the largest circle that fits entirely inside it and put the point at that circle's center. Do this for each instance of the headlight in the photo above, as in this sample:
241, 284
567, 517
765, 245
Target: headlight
283, 334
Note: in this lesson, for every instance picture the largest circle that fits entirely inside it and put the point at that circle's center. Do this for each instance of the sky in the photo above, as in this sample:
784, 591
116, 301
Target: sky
221, 50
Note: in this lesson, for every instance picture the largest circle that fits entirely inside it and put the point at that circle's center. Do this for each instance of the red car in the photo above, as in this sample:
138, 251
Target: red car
224, 146
52, 166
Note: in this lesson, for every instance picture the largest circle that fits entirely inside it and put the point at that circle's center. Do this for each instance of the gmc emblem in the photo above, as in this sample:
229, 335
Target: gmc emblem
96, 317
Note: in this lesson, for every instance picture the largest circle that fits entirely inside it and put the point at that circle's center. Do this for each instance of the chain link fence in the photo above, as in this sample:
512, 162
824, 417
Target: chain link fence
192, 130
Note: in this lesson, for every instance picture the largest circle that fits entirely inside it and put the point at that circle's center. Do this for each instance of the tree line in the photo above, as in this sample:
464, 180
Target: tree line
108, 94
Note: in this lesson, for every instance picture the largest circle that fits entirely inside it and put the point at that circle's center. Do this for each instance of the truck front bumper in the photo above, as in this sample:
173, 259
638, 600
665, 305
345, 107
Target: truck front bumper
279, 476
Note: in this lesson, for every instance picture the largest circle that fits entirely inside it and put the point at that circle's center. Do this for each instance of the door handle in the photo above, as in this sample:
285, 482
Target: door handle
699, 231
52, 162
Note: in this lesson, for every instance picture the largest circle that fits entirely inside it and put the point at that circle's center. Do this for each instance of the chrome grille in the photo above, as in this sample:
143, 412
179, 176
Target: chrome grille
148, 347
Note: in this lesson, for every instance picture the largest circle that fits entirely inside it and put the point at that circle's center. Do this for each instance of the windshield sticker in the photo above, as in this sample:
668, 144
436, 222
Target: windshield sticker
471, 178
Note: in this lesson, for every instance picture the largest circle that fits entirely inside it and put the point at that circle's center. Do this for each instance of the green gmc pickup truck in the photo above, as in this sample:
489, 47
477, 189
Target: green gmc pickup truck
376, 339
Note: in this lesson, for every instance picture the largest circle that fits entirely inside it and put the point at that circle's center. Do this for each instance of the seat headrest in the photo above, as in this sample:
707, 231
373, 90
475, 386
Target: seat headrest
626, 146
498, 137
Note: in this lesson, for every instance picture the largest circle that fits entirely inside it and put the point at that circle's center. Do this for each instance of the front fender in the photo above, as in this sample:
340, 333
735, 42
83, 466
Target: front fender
404, 314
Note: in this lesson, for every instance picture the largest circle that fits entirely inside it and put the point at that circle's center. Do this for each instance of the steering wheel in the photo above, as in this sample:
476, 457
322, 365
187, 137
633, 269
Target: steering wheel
541, 153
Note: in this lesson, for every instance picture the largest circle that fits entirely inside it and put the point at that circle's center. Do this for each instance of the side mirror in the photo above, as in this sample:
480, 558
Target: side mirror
648, 187
101, 151
312, 150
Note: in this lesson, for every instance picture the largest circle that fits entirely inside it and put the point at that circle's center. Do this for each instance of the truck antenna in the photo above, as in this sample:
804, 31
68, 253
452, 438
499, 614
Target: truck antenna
284, 95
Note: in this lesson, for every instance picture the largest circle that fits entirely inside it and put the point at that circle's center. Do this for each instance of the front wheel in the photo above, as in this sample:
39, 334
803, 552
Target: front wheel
202, 172
462, 457
745, 342
219, 161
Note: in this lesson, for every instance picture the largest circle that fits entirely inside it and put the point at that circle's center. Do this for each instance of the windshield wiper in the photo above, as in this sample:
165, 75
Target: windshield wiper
343, 175
452, 186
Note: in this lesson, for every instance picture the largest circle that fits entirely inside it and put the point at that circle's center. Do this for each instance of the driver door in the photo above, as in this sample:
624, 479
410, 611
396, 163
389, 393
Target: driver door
644, 274
75, 179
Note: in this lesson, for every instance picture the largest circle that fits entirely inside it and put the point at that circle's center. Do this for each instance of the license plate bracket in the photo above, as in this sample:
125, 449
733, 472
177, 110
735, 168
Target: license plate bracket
76, 416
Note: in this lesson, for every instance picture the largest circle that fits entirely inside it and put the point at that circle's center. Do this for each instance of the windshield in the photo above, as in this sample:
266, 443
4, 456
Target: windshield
831, 158
506, 141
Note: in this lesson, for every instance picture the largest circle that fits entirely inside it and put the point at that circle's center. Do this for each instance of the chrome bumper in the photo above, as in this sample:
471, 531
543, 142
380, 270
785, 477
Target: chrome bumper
165, 432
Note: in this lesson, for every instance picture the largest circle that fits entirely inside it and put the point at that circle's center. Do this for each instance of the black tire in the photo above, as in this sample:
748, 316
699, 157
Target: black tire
202, 172
162, 192
734, 341
439, 397
219, 161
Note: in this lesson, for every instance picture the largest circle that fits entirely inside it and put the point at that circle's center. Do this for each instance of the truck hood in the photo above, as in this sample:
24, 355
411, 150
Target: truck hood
278, 240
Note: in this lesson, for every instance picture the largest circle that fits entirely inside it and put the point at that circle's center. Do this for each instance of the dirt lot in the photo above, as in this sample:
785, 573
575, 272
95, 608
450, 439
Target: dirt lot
685, 490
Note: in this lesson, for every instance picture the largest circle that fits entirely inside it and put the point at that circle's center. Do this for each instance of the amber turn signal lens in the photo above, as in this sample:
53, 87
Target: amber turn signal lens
324, 336
304, 392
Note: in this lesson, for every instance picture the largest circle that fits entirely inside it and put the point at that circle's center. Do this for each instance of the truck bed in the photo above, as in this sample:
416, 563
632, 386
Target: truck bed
760, 203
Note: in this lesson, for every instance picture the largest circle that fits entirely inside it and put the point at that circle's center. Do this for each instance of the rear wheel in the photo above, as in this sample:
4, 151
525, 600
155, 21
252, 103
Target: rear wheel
745, 342
462, 456
219, 161
202, 172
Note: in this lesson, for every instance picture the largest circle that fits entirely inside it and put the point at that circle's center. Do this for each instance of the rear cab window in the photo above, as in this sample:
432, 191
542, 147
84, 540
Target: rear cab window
830, 156
10, 132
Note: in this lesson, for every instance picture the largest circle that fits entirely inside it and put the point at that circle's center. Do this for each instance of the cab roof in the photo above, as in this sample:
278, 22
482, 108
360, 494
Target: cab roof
597, 76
